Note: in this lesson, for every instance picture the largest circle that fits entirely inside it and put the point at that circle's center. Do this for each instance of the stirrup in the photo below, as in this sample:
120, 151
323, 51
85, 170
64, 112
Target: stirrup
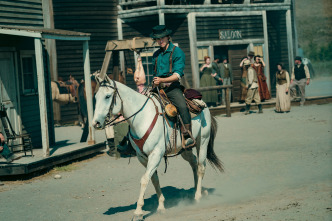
189, 146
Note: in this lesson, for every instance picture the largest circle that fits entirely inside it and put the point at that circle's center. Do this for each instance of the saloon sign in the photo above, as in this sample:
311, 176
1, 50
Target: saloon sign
230, 34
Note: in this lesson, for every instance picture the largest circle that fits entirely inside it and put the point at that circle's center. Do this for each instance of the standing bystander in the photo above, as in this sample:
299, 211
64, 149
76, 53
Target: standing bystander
300, 77
258, 65
252, 87
226, 74
283, 98
207, 80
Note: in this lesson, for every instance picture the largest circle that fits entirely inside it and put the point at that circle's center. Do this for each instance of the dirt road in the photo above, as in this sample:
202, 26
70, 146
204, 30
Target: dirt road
277, 167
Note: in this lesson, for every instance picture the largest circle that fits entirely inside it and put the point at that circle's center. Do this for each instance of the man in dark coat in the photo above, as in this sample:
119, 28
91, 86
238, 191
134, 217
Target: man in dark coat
300, 78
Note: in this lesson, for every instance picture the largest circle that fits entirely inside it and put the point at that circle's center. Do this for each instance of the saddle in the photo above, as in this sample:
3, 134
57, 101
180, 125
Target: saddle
195, 106
193, 99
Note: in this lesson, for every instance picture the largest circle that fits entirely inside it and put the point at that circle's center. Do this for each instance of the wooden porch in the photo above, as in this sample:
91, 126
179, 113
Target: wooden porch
66, 148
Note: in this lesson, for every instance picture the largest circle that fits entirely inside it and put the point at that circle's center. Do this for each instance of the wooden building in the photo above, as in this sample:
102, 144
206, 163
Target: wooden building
97, 17
18, 68
215, 27
27, 44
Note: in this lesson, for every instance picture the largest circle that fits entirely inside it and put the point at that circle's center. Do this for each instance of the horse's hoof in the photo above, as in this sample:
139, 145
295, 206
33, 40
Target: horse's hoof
205, 193
138, 218
161, 210
198, 198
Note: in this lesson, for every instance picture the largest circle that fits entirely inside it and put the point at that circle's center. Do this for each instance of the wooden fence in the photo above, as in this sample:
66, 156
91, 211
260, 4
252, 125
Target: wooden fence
223, 87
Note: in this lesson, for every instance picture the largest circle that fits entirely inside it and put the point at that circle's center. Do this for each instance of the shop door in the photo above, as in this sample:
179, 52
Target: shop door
8, 89
235, 55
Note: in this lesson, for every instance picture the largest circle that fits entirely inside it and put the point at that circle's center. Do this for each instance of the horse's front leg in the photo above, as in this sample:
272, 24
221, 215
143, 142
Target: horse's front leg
153, 162
155, 182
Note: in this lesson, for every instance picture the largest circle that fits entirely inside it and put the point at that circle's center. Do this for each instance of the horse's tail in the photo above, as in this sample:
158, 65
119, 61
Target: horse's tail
211, 155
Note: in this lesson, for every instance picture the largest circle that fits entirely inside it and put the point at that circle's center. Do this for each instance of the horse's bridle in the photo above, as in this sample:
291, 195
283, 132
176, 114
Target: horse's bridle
106, 83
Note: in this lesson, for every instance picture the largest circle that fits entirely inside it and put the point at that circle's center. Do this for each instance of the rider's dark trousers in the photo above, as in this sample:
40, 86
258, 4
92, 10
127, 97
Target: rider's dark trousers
175, 94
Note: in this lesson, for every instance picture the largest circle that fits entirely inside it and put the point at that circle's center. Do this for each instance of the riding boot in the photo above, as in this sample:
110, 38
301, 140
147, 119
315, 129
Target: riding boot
125, 147
260, 108
110, 142
188, 141
247, 109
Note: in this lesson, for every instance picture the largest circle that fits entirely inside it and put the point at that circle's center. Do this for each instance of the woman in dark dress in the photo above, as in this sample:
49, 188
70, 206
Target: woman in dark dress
262, 85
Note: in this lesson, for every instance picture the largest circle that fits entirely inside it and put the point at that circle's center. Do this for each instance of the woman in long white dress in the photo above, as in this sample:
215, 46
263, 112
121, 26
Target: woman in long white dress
283, 103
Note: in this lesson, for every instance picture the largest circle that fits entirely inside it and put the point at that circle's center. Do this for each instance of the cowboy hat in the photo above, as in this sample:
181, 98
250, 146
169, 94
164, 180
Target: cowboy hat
251, 53
298, 58
160, 31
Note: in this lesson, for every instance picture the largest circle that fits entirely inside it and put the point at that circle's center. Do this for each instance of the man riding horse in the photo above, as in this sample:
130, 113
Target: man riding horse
168, 64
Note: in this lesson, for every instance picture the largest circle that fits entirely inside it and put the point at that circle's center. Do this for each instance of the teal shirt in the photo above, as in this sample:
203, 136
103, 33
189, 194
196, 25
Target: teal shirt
178, 59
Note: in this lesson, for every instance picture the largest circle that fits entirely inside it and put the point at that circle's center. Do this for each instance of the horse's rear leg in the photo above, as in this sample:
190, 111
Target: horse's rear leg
202, 151
152, 164
191, 158
161, 198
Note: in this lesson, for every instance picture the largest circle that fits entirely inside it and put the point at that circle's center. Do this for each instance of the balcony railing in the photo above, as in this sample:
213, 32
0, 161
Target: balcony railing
134, 4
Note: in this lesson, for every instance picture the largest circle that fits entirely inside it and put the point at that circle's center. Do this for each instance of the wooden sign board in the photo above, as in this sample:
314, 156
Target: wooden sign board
230, 34
137, 43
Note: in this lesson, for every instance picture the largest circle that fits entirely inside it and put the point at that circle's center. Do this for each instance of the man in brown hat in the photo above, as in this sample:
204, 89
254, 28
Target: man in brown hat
300, 78
168, 65
251, 55
252, 87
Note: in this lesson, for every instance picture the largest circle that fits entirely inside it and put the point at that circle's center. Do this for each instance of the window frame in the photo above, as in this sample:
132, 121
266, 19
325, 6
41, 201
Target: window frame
29, 54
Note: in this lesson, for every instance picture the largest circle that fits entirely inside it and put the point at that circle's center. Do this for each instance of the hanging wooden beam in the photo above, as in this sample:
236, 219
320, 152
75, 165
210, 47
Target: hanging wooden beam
106, 63
138, 43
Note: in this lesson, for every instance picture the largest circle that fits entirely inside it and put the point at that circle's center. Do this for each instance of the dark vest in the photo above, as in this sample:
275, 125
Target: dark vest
281, 77
299, 72
226, 71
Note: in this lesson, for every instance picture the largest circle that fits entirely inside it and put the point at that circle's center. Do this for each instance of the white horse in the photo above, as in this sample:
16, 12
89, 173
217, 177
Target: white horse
115, 98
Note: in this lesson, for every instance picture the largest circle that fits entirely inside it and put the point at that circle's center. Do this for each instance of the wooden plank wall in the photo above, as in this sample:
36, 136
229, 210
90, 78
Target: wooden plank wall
22, 12
179, 26
98, 17
207, 27
140, 28
278, 47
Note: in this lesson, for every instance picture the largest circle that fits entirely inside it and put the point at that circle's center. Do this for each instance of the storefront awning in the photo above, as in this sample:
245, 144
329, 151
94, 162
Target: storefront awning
46, 33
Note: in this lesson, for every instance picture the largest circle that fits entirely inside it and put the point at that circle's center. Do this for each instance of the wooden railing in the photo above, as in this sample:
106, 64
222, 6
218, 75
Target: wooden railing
223, 87
131, 4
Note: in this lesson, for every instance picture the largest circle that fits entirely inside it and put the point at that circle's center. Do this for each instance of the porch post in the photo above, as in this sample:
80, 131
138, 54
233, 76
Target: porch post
87, 79
42, 97
266, 52
193, 49
121, 53
161, 3
161, 18
289, 39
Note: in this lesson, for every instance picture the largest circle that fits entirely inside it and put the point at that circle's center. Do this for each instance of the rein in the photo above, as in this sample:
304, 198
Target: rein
116, 92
